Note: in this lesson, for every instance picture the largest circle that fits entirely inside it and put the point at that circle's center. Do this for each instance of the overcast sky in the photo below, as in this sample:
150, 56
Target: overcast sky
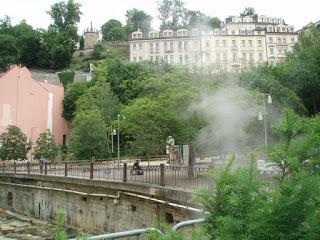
294, 12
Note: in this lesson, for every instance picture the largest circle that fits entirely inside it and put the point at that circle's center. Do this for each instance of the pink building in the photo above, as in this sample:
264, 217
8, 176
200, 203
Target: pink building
31, 105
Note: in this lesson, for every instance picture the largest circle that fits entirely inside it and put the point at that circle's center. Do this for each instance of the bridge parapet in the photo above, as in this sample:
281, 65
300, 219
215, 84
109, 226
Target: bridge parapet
190, 178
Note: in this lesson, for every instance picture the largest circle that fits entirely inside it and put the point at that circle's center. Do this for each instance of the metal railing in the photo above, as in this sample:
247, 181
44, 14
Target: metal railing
171, 176
138, 232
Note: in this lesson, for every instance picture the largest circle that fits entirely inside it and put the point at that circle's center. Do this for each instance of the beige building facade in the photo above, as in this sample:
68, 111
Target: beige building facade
241, 42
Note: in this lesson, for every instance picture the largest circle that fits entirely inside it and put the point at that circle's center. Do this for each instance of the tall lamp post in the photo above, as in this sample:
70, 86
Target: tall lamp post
262, 116
119, 116
31, 140
113, 133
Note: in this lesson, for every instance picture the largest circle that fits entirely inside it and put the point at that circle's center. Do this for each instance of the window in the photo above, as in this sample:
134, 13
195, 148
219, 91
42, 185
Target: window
171, 59
234, 57
283, 29
271, 51
280, 51
171, 46
270, 39
233, 32
157, 47
140, 46
180, 46
186, 59
195, 43
218, 58
260, 56
292, 40
243, 43
165, 58
225, 57
185, 45
284, 40
151, 58
234, 43
165, 44
259, 43
151, 47
217, 43
134, 46
244, 57
270, 29
224, 43
285, 51
180, 59
140, 59
251, 57
207, 43
208, 56
279, 40
250, 43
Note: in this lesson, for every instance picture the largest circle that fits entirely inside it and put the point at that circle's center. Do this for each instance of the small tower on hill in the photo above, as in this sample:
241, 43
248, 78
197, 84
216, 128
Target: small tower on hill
91, 37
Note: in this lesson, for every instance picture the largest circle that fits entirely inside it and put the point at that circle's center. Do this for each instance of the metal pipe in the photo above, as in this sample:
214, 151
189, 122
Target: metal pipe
187, 223
129, 233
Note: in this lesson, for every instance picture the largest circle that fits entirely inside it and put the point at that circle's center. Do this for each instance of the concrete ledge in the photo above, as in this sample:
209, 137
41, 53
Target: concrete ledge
180, 196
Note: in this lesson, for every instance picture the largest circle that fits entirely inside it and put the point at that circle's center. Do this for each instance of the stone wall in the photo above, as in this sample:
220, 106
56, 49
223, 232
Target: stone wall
90, 206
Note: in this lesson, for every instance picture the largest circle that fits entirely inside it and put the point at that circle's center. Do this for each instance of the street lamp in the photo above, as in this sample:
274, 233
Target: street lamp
31, 140
119, 116
262, 116
113, 133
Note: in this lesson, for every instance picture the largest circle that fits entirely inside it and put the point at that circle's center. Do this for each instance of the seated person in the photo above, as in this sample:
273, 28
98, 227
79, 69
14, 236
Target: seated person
136, 165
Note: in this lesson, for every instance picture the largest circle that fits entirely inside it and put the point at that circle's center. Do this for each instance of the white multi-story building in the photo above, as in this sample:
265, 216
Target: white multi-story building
241, 42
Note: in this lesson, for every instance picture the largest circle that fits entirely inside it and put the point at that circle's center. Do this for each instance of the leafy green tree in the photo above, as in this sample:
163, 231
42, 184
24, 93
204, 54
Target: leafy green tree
300, 72
113, 31
248, 11
81, 43
28, 41
62, 33
66, 78
137, 19
46, 147
214, 22
172, 14
101, 98
232, 205
97, 51
70, 98
195, 19
8, 51
88, 137
5, 25
147, 124
14, 144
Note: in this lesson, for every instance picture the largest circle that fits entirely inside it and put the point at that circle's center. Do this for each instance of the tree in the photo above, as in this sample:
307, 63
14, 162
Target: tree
146, 126
8, 51
62, 33
214, 22
101, 98
46, 147
88, 137
113, 31
171, 14
137, 19
14, 144
81, 43
5, 25
28, 41
195, 19
69, 101
248, 11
